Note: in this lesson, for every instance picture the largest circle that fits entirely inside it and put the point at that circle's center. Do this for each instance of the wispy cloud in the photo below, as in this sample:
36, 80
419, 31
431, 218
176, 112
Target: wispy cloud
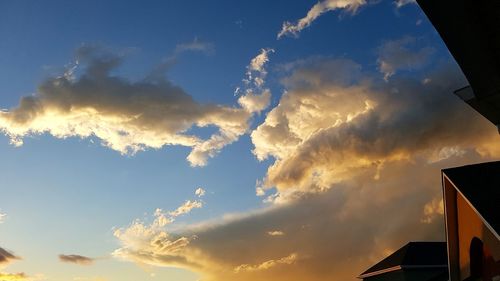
401, 3
254, 96
187, 207
293, 29
7, 257
197, 46
402, 54
267, 264
76, 259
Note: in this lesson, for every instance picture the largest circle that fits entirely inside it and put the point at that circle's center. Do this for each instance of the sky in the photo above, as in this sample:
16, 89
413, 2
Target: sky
224, 140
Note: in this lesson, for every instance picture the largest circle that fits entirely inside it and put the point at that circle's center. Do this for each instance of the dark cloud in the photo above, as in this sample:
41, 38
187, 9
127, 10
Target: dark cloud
76, 259
402, 54
7, 257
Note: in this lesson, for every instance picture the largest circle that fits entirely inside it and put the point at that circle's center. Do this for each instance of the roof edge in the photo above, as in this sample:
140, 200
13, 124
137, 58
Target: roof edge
401, 267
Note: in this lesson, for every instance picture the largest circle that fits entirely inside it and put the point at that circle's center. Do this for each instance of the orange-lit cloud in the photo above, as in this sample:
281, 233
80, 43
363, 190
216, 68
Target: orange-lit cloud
13, 276
356, 174
89, 101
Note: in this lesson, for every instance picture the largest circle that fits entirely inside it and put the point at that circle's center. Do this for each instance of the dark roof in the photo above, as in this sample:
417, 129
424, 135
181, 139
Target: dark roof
471, 31
413, 255
480, 185
443, 276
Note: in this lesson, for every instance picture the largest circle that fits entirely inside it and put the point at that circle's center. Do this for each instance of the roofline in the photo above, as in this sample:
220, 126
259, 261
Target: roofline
401, 267
472, 206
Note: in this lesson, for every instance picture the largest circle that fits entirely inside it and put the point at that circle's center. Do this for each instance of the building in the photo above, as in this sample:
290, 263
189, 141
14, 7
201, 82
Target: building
472, 213
416, 261
471, 31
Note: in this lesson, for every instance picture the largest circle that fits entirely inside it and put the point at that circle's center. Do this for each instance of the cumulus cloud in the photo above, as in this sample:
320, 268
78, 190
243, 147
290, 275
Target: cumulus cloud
402, 54
344, 144
127, 116
325, 126
293, 29
200, 192
76, 259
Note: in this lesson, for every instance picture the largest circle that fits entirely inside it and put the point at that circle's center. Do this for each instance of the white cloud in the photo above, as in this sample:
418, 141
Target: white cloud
255, 97
200, 192
291, 29
187, 207
2, 217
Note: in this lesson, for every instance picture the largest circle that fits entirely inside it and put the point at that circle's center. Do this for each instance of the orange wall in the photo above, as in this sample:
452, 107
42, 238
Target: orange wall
470, 225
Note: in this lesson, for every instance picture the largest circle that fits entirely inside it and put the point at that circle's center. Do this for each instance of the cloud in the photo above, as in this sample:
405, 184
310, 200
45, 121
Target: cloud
152, 244
276, 233
7, 257
13, 276
291, 29
196, 46
2, 217
200, 192
186, 208
343, 144
127, 116
255, 97
267, 264
325, 126
76, 259
401, 54
433, 210
401, 3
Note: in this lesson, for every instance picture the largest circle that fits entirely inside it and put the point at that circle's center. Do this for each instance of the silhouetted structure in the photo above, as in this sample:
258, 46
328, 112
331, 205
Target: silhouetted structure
471, 31
416, 261
472, 211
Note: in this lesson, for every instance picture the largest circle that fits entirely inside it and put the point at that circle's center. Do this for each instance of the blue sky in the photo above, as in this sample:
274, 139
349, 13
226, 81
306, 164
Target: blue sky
349, 133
